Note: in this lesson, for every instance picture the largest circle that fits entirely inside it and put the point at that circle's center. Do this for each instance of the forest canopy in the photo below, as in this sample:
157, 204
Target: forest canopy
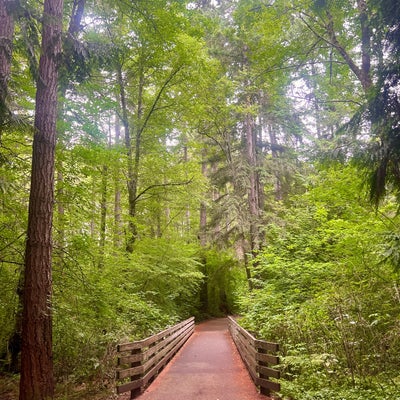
203, 158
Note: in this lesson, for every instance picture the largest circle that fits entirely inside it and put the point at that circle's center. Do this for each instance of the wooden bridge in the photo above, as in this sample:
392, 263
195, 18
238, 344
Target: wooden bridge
216, 360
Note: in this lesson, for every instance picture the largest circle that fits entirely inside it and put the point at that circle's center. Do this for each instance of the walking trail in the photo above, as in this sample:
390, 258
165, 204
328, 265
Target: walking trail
208, 367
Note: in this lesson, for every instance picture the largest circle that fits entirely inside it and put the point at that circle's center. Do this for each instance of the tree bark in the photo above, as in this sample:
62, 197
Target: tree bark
252, 193
37, 382
118, 230
131, 178
253, 188
203, 207
103, 215
78, 9
275, 156
365, 45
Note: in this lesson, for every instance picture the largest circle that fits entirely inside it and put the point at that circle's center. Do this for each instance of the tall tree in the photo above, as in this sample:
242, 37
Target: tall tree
37, 380
6, 39
381, 156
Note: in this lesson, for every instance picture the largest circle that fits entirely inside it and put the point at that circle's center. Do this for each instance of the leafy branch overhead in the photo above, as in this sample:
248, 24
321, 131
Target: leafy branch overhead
162, 186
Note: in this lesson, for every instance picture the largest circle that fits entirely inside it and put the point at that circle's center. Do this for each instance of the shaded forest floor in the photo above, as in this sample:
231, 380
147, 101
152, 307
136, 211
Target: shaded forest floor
9, 391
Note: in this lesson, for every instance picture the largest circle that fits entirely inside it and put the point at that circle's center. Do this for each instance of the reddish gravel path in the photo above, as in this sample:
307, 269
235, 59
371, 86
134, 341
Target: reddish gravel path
208, 367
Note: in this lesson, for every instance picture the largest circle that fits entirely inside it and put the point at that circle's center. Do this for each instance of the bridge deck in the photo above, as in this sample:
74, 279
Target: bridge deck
208, 367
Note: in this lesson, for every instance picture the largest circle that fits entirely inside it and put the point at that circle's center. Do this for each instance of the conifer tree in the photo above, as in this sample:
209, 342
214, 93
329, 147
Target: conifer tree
37, 382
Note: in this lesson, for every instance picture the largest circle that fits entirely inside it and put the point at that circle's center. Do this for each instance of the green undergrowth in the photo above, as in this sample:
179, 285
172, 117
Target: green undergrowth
327, 290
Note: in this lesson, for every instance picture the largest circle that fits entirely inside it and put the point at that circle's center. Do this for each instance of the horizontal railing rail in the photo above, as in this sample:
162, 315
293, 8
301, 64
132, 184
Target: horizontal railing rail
140, 361
257, 356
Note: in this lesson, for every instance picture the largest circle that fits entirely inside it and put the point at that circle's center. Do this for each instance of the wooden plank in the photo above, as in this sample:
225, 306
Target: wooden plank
125, 373
262, 344
250, 362
136, 370
157, 361
150, 374
256, 343
247, 356
247, 345
247, 349
129, 386
273, 360
240, 340
151, 339
137, 357
242, 330
264, 383
253, 375
253, 354
147, 342
130, 359
268, 372
165, 352
149, 352
128, 346
158, 347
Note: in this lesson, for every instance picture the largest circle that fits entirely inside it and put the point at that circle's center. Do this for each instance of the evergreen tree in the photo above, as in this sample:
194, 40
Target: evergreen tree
37, 381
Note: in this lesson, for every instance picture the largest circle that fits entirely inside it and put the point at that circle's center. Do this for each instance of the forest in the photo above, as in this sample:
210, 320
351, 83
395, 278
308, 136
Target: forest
171, 158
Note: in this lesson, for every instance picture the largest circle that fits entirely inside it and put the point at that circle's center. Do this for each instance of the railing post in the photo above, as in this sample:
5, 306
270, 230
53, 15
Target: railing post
263, 390
137, 391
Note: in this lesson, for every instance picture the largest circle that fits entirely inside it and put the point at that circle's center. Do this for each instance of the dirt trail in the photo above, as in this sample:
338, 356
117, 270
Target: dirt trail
208, 367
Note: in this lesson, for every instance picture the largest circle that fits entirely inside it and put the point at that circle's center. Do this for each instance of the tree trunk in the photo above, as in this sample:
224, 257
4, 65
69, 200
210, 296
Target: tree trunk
131, 181
253, 189
203, 207
37, 380
134, 176
103, 215
363, 73
365, 45
78, 9
187, 223
118, 231
6, 40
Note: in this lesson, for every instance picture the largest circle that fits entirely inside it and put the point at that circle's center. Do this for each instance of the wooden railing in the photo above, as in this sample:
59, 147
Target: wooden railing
141, 361
256, 354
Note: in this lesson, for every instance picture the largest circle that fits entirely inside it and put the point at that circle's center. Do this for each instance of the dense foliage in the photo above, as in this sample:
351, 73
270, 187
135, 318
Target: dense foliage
213, 157
327, 291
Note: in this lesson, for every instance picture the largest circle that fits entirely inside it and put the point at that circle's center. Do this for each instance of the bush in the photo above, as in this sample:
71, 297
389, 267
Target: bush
327, 295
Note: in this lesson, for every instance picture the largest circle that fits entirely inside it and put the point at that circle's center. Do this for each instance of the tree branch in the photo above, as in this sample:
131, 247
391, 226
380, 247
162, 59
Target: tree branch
162, 185
12, 262
11, 243
157, 99
334, 42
